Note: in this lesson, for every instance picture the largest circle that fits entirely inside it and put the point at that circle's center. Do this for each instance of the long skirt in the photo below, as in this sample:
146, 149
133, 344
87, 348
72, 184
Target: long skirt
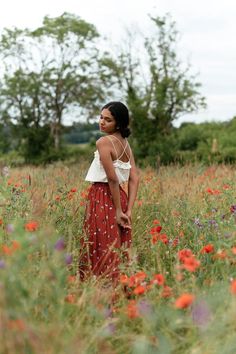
105, 243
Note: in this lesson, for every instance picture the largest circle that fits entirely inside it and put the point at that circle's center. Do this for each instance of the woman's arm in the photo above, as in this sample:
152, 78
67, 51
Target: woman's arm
104, 149
133, 184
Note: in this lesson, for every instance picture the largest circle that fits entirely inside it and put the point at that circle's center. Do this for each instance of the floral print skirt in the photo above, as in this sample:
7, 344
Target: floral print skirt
105, 243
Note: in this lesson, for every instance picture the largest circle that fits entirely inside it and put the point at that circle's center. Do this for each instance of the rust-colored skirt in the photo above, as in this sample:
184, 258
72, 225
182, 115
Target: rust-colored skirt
105, 243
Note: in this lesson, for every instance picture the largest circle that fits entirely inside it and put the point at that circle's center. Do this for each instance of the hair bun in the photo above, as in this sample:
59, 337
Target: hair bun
126, 132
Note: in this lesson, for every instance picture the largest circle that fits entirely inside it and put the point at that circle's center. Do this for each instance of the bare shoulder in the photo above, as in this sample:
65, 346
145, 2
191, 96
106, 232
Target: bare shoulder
102, 142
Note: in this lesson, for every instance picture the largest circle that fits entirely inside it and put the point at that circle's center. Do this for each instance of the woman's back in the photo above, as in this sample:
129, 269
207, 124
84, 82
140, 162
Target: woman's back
121, 149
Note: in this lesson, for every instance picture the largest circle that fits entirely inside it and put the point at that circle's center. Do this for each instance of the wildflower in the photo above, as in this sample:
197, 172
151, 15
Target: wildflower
31, 226
132, 309
71, 278
213, 191
200, 313
221, 254
167, 292
109, 329
184, 253
156, 222
139, 290
208, 248
234, 250
9, 228
70, 298
6, 250
140, 202
2, 264
144, 308
212, 223
124, 279
15, 245
190, 264
158, 279
154, 239
175, 242
60, 245
73, 190
184, 301
155, 229
5, 171
233, 208
164, 239
17, 324
69, 196
140, 276
233, 287
179, 277
197, 223
68, 259
1, 222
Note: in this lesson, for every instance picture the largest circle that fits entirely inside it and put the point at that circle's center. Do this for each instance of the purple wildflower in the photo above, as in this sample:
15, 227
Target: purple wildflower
2, 264
144, 308
60, 245
213, 223
201, 314
9, 228
233, 209
107, 311
197, 223
110, 329
68, 259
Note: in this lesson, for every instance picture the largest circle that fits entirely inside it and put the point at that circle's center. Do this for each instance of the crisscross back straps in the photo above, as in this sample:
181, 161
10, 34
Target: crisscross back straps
124, 148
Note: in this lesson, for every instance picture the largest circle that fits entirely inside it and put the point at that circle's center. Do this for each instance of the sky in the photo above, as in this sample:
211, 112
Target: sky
207, 37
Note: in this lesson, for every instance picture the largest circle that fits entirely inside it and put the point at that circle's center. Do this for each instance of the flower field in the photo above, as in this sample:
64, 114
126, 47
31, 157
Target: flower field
180, 283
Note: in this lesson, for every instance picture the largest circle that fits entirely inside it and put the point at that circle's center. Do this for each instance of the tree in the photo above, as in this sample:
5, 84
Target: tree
49, 72
164, 92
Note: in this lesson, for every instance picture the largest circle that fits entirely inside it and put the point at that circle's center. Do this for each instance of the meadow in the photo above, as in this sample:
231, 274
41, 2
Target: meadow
180, 280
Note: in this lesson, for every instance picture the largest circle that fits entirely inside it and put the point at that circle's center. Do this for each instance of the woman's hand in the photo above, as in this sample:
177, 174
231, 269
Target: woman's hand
129, 214
123, 220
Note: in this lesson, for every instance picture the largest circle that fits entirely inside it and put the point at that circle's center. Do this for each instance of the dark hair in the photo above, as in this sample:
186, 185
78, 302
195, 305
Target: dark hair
121, 114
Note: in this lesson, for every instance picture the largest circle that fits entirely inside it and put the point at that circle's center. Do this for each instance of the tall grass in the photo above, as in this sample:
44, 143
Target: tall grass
180, 282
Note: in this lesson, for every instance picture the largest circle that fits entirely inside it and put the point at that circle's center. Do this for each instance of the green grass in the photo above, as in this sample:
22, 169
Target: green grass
44, 306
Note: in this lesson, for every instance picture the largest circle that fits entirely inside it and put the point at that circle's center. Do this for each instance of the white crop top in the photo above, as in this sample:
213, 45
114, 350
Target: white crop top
96, 172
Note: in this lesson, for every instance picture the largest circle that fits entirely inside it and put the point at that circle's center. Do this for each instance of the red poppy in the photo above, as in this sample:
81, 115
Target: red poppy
156, 222
73, 190
184, 253
132, 310
184, 301
191, 264
31, 226
139, 290
158, 279
71, 298
167, 292
124, 279
155, 229
233, 287
208, 248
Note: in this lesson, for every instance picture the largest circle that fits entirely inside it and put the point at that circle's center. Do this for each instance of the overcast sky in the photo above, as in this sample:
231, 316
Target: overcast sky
207, 28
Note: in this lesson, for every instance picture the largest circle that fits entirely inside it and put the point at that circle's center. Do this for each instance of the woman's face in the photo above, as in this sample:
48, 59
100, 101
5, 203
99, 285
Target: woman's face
107, 123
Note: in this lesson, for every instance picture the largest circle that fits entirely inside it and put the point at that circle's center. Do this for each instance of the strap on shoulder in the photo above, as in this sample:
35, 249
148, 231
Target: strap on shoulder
107, 136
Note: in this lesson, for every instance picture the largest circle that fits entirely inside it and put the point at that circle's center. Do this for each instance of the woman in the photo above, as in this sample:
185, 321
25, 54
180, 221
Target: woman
108, 213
